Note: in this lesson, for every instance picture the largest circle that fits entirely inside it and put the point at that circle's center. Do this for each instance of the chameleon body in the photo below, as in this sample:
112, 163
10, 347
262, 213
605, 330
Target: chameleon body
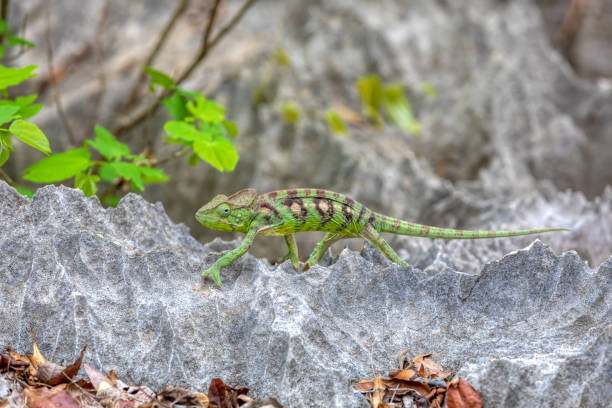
285, 212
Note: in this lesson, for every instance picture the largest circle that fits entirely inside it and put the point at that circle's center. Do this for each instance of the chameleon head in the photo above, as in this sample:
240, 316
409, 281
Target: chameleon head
233, 213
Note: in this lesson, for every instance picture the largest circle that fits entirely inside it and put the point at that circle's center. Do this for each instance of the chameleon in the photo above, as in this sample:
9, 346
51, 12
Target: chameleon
285, 212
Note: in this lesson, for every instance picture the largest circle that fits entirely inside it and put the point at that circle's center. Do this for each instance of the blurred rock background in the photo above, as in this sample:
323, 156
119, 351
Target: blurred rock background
519, 133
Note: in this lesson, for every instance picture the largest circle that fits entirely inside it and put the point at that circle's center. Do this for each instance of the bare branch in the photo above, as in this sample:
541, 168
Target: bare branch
204, 50
7, 178
158, 45
56, 95
99, 60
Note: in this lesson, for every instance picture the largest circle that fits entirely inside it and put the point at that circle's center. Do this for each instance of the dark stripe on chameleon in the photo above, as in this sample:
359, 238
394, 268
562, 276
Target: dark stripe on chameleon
348, 216
306, 192
372, 219
272, 195
270, 207
330, 212
349, 201
361, 213
292, 193
316, 201
303, 209
321, 193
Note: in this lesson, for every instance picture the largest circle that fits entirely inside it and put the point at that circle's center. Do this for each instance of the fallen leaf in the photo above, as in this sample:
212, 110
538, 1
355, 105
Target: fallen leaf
99, 380
461, 394
181, 396
402, 374
218, 396
379, 392
54, 374
36, 358
428, 367
43, 397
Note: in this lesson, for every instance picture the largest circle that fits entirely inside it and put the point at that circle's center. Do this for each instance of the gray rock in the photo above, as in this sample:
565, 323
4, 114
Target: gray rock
533, 328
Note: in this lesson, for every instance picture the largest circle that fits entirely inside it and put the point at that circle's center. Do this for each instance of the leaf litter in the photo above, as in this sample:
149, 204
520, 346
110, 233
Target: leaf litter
418, 383
33, 381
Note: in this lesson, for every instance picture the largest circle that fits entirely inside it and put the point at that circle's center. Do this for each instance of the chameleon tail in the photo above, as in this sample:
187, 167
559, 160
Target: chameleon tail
384, 223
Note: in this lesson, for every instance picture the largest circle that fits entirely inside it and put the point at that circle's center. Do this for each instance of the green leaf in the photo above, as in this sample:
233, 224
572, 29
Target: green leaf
176, 106
194, 95
4, 26
399, 110
291, 112
58, 167
4, 155
25, 191
428, 89
2, 49
177, 141
182, 130
160, 78
371, 93
335, 122
87, 182
107, 172
230, 128
8, 113
112, 201
14, 40
30, 134
206, 110
26, 108
151, 175
129, 172
219, 153
193, 160
14, 76
107, 145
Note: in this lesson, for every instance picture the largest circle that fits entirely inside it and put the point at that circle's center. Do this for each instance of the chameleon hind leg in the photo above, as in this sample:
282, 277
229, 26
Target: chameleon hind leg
292, 255
374, 238
321, 247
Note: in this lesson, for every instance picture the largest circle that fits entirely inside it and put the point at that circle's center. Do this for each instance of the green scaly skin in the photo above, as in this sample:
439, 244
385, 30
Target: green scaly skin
285, 212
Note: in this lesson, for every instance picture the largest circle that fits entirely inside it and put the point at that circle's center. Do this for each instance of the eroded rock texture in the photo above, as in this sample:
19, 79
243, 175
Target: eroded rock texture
532, 328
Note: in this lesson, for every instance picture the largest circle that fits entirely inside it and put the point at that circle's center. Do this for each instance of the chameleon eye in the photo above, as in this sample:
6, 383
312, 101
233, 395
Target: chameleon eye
223, 210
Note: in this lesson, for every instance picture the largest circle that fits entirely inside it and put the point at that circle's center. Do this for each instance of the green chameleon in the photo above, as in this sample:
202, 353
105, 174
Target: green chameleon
285, 212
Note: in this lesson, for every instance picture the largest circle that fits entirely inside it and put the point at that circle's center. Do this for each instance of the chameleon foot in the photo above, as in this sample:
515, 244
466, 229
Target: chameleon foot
216, 277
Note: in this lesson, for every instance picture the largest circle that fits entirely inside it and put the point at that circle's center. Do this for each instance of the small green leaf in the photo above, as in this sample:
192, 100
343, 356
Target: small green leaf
7, 113
206, 110
291, 112
220, 153
428, 89
129, 172
30, 134
399, 110
194, 95
177, 141
87, 182
14, 40
4, 155
4, 26
25, 191
230, 128
2, 49
282, 58
112, 201
107, 172
371, 92
107, 145
181, 130
151, 175
58, 167
193, 160
176, 106
335, 122
160, 78
27, 109
14, 76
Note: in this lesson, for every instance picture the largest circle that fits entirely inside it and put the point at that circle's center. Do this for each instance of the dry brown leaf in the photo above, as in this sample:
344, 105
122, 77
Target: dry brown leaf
56, 397
461, 394
406, 375
36, 358
4, 403
379, 392
182, 396
99, 380
54, 374
218, 395
427, 367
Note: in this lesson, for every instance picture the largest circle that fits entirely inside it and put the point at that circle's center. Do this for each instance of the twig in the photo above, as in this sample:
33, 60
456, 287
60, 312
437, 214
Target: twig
56, 95
571, 23
99, 59
7, 178
22, 49
4, 11
171, 156
158, 45
143, 114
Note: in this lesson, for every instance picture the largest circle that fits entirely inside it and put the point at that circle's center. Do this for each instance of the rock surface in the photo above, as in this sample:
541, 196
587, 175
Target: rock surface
531, 329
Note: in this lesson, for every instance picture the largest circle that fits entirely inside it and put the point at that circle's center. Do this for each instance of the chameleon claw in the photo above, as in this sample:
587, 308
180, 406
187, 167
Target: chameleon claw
216, 277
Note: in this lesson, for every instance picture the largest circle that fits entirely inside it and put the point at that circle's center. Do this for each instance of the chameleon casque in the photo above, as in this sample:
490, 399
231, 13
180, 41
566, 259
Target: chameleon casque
285, 212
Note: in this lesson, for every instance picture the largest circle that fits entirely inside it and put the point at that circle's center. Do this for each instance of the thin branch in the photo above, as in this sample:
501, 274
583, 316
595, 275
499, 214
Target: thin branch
145, 112
171, 156
571, 23
99, 59
22, 48
7, 178
56, 95
4, 11
160, 42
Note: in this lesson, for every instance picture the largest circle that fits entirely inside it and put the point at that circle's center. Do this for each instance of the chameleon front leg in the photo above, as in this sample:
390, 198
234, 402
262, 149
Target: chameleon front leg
321, 247
374, 238
293, 252
230, 257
